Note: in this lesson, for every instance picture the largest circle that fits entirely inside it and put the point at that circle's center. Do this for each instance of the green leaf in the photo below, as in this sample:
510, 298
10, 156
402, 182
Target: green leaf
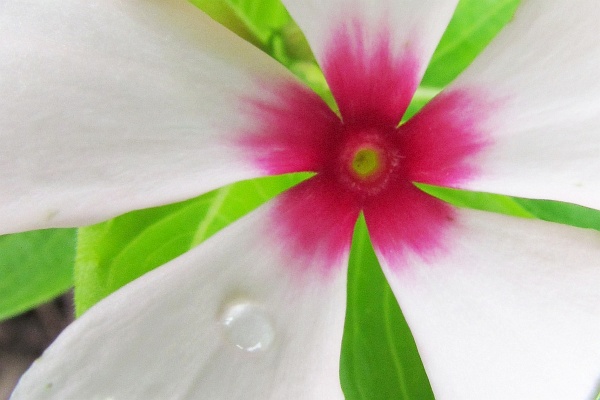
263, 17
113, 253
563, 213
379, 358
261, 22
268, 25
478, 200
222, 12
35, 267
474, 24
547, 210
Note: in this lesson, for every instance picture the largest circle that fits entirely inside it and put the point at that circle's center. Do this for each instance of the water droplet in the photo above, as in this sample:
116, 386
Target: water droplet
248, 327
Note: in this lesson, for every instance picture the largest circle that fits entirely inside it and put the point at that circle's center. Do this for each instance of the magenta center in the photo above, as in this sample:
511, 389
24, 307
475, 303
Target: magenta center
363, 160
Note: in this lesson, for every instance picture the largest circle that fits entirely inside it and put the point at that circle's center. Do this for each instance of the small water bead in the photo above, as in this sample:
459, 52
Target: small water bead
248, 327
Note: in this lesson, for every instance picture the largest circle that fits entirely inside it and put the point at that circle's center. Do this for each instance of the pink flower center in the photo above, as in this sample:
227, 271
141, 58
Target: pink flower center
364, 161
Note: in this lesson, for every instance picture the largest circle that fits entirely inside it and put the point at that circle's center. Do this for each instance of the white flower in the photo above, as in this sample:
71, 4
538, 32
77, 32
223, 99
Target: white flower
109, 106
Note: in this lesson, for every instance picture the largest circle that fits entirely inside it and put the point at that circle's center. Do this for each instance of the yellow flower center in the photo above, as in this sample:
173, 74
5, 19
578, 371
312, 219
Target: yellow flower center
366, 162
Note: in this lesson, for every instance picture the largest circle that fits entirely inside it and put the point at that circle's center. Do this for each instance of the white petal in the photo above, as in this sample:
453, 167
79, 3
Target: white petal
418, 24
509, 309
234, 318
109, 106
541, 76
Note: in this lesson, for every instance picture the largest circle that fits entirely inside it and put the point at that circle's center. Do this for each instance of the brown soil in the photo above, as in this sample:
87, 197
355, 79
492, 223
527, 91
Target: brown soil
24, 338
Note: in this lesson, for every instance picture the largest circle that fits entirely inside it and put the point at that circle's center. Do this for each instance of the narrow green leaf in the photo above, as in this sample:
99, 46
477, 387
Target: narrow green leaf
474, 24
478, 200
113, 253
268, 25
265, 23
379, 358
263, 17
563, 213
35, 267
222, 12
547, 210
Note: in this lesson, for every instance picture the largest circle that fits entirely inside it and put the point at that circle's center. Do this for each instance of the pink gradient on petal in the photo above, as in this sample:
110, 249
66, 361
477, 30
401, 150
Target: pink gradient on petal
442, 140
315, 221
294, 128
370, 84
406, 220
438, 146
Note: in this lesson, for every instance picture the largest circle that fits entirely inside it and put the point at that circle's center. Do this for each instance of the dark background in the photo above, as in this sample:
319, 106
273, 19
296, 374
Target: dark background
24, 338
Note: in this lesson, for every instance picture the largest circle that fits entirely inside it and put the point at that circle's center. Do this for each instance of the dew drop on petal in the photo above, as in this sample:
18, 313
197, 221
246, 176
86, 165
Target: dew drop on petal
248, 327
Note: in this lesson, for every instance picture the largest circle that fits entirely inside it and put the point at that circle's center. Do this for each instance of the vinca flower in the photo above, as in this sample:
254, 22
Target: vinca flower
116, 105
